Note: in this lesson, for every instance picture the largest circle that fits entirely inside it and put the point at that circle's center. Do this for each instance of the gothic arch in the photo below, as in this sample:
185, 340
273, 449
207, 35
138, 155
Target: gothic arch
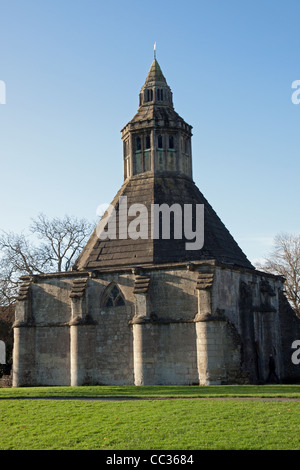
112, 296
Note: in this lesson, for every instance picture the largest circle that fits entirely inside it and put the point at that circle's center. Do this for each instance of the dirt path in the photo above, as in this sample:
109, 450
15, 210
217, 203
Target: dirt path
154, 398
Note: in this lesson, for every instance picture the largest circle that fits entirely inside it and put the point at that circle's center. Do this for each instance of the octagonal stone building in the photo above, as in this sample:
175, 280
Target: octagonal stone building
146, 310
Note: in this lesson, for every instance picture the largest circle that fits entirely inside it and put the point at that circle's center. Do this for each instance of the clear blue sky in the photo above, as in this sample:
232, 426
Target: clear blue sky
73, 71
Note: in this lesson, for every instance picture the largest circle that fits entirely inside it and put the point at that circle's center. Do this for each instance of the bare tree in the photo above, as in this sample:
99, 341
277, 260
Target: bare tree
61, 241
285, 261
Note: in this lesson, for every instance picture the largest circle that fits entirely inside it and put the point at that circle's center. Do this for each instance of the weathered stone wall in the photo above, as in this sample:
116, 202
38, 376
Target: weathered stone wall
219, 352
47, 340
173, 294
50, 300
104, 348
251, 303
165, 341
165, 353
41, 333
24, 371
52, 355
176, 356
169, 349
113, 355
203, 325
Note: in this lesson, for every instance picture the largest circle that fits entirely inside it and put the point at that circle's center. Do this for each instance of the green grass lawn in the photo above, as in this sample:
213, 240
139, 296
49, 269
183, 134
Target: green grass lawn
171, 424
159, 391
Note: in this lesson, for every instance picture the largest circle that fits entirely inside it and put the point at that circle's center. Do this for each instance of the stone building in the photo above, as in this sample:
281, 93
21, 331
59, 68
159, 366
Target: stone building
146, 310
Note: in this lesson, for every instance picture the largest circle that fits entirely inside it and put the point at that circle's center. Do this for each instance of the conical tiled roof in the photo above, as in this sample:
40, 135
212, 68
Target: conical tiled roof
219, 244
158, 113
155, 74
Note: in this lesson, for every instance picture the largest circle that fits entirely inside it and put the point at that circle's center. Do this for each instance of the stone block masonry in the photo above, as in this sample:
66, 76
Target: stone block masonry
175, 325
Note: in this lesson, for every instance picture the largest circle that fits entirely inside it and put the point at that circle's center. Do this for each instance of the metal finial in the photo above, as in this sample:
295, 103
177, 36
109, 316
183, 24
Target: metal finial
155, 51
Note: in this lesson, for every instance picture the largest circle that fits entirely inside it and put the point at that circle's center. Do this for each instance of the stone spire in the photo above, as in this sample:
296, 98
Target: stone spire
157, 139
158, 170
156, 89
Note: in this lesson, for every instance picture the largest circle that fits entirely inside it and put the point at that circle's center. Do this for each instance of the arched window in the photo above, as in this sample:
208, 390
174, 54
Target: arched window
148, 143
159, 142
138, 144
160, 94
112, 297
148, 95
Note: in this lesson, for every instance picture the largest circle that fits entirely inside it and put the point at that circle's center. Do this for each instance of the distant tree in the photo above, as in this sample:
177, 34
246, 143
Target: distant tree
285, 261
60, 242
